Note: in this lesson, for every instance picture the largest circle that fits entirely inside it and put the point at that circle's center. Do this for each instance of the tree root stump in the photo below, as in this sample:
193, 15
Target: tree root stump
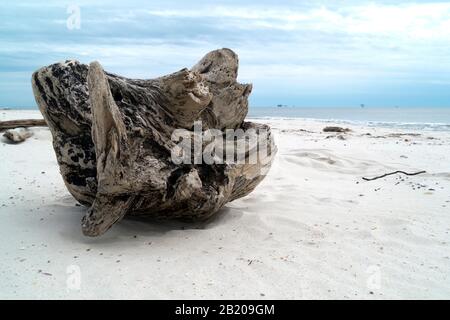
117, 140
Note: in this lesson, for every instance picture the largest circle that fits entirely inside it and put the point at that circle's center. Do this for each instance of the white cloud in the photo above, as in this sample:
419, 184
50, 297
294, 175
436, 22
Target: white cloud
280, 48
414, 20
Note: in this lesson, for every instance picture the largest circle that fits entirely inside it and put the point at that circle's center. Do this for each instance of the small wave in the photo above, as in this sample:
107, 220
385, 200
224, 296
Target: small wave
428, 126
412, 125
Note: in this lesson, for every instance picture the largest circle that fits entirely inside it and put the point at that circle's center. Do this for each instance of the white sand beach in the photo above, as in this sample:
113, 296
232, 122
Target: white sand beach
313, 229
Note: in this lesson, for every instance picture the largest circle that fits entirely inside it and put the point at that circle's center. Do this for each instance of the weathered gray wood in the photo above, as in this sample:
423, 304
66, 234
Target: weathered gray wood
112, 138
17, 135
336, 129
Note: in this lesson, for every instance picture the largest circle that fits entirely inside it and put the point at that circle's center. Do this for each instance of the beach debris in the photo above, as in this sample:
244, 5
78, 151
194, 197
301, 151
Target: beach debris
295, 131
113, 139
17, 135
339, 136
391, 173
336, 129
22, 123
399, 135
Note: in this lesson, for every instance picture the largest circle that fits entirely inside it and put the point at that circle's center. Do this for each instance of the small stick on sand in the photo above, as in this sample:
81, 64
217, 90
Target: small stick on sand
395, 172
23, 123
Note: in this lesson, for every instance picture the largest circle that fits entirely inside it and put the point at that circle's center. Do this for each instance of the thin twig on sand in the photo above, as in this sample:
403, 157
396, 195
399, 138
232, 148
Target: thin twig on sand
395, 172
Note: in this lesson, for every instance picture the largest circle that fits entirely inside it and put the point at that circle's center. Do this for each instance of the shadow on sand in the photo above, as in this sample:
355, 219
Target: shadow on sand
67, 222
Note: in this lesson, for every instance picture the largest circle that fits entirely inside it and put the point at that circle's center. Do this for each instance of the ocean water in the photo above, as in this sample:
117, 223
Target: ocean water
437, 119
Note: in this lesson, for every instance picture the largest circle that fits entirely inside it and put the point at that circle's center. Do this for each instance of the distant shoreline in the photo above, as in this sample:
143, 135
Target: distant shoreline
290, 107
432, 119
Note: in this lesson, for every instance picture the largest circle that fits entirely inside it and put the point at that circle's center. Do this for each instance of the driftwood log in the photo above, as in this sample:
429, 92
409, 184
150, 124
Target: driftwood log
336, 129
113, 138
22, 123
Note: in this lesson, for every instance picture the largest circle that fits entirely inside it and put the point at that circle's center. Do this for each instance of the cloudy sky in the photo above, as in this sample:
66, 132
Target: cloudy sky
302, 53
